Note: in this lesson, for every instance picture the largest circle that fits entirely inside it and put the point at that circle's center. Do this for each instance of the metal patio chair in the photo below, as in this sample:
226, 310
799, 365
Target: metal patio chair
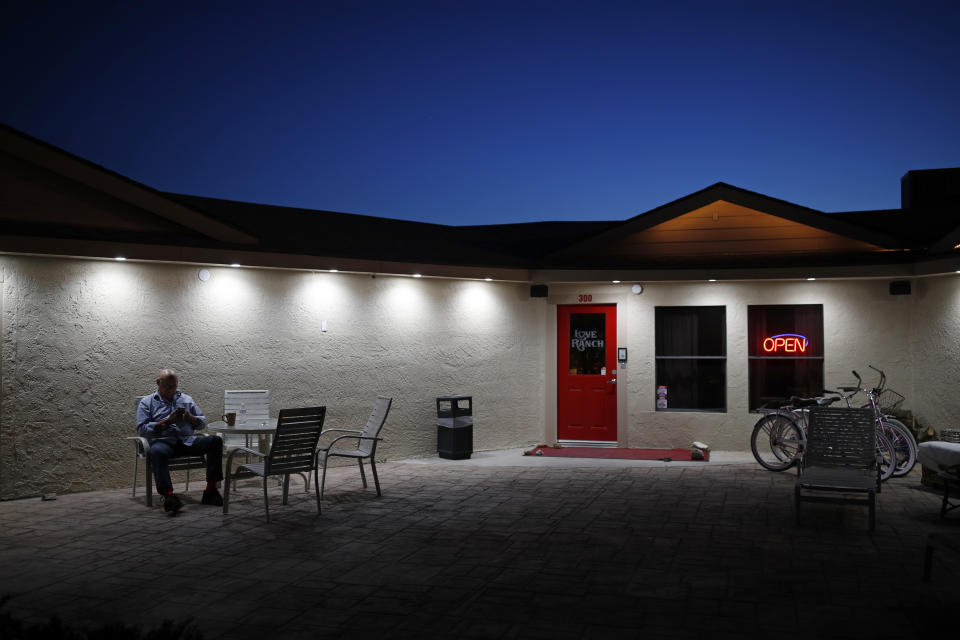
141, 448
840, 457
292, 451
366, 443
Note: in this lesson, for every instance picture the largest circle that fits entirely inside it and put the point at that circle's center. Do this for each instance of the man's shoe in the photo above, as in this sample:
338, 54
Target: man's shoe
171, 503
212, 496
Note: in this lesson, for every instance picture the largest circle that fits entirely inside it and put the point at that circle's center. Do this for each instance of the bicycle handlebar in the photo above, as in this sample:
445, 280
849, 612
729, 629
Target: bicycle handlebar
875, 391
883, 379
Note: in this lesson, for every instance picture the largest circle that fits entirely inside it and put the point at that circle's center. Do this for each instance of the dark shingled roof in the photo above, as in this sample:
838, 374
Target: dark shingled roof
108, 207
348, 235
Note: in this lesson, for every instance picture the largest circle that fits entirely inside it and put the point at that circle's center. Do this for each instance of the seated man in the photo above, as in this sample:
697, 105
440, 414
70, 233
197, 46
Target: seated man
168, 419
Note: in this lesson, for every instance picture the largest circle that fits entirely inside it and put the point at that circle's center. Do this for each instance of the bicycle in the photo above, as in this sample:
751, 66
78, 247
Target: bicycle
905, 444
778, 438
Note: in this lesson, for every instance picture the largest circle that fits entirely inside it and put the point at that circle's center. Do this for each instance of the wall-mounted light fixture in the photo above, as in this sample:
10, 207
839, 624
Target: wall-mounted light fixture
203, 274
637, 289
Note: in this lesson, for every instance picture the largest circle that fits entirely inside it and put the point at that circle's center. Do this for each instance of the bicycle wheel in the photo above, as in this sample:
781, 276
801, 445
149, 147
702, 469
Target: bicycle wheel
886, 455
903, 442
776, 442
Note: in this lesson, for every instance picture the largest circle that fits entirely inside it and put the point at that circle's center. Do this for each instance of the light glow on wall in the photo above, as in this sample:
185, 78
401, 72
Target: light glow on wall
476, 307
404, 302
325, 294
114, 287
228, 291
786, 343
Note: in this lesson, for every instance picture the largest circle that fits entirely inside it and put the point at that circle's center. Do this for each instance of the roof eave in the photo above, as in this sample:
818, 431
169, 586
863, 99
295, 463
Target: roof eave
92, 175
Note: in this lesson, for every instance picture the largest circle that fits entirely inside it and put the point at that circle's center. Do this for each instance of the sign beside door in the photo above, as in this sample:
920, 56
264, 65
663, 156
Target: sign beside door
587, 372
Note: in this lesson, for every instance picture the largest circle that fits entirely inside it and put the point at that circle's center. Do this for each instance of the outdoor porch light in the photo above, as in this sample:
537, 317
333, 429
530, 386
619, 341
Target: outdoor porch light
615, 281
334, 270
417, 275
120, 258
810, 279
489, 279
712, 280
235, 264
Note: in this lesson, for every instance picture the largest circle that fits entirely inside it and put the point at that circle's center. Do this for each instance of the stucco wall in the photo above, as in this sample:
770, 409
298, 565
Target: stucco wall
81, 338
936, 348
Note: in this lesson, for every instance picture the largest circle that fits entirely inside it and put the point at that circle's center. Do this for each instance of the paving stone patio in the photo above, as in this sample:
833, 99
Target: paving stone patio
510, 549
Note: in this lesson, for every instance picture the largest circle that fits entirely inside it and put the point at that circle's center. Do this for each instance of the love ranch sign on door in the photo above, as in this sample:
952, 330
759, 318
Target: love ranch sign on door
586, 339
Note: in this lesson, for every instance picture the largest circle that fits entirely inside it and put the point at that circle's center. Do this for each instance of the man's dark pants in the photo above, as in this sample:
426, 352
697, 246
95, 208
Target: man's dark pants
161, 452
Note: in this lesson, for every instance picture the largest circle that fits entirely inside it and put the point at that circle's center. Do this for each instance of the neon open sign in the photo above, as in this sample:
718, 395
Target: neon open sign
786, 343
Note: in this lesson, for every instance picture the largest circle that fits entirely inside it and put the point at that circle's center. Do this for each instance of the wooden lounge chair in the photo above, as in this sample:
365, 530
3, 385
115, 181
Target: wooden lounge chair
293, 450
839, 459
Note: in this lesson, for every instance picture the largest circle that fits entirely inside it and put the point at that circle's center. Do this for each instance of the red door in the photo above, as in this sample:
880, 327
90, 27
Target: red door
587, 372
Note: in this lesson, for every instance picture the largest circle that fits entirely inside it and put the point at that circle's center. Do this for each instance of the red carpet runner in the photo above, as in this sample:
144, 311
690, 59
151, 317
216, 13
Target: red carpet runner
614, 453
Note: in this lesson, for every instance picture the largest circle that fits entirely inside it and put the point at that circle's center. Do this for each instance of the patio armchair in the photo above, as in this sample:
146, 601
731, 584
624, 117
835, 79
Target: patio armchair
292, 451
364, 440
840, 457
141, 448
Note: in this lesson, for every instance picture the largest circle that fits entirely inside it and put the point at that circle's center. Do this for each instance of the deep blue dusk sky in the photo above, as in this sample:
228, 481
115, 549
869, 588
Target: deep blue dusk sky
488, 112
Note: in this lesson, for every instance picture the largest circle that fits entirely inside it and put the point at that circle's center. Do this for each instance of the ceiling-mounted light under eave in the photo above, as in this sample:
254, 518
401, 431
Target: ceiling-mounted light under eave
488, 279
418, 275
234, 264
119, 258
810, 279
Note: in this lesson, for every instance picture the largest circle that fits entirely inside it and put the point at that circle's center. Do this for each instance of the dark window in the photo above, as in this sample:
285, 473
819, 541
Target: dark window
691, 358
786, 353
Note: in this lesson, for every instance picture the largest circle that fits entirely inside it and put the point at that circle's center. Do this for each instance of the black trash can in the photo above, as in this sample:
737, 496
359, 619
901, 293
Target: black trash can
455, 427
